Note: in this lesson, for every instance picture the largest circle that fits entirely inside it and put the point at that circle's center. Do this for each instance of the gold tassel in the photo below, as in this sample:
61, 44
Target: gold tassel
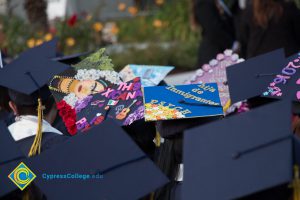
37, 143
296, 183
157, 139
227, 105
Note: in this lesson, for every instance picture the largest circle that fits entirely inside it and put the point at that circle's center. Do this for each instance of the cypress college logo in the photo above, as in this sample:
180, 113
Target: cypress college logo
22, 176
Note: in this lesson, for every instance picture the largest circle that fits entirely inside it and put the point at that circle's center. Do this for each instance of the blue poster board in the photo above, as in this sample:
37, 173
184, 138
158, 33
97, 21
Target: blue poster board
182, 101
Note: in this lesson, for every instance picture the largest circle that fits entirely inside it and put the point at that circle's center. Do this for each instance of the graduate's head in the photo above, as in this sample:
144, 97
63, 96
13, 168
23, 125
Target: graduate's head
81, 88
22, 104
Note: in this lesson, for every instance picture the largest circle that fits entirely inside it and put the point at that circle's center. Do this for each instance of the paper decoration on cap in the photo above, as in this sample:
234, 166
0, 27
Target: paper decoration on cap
72, 89
121, 102
183, 101
215, 72
286, 82
97, 60
150, 75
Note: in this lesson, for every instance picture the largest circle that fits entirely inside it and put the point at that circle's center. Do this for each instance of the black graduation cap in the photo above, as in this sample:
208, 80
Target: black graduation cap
45, 50
71, 59
286, 82
239, 155
29, 73
250, 78
10, 156
106, 151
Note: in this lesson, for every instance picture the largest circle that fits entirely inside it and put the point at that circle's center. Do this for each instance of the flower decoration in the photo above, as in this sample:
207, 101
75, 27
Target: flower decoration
48, 37
94, 74
156, 112
70, 42
38, 42
121, 6
159, 2
97, 26
133, 10
31, 43
72, 20
157, 23
68, 115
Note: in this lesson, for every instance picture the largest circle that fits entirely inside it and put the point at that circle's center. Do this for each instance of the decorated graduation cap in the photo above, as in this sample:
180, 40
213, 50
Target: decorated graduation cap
241, 155
103, 164
26, 78
250, 78
46, 50
285, 84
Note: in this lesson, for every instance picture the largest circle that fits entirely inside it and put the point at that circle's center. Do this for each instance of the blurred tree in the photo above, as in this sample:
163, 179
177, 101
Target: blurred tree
37, 15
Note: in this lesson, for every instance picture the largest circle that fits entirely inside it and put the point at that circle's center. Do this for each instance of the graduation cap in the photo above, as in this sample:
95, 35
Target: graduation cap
285, 84
239, 155
71, 59
120, 169
45, 50
26, 78
250, 78
9, 158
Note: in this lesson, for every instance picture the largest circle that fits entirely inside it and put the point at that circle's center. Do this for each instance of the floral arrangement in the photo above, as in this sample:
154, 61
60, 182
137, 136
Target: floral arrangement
158, 112
68, 115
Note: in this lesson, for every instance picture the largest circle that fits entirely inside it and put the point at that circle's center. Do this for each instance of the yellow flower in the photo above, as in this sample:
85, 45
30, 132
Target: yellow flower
157, 23
38, 42
70, 41
97, 26
133, 10
159, 2
121, 6
30, 43
115, 30
48, 37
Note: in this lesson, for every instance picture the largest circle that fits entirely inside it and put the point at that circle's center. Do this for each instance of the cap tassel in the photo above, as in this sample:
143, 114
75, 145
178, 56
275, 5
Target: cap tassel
37, 143
296, 183
157, 139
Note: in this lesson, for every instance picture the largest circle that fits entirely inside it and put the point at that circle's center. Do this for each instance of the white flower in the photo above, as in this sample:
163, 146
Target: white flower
71, 99
213, 62
228, 52
234, 57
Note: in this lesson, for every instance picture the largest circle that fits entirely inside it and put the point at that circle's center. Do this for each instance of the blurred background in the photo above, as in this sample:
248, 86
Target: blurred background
133, 31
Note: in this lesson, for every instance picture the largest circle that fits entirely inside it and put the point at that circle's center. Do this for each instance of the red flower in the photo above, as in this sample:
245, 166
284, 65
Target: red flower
61, 104
72, 130
68, 114
72, 20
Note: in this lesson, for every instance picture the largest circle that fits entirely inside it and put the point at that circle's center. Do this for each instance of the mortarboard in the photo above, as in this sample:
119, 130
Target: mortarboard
27, 74
125, 171
250, 78
239, 155
45, 50
285, 84
71, 59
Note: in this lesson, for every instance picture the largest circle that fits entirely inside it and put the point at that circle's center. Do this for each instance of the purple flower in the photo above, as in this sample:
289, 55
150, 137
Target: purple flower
136, 115
81, 104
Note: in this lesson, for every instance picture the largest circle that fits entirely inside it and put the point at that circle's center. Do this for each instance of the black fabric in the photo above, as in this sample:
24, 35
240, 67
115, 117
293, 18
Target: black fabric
279, 33
49, 140
143, 134
217, 30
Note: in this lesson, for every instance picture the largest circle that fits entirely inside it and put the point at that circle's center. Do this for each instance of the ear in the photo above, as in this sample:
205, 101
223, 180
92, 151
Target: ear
13, 107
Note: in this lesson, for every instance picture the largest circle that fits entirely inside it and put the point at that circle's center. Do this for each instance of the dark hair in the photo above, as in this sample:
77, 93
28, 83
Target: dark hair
32, 109
266, 10
4, 99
